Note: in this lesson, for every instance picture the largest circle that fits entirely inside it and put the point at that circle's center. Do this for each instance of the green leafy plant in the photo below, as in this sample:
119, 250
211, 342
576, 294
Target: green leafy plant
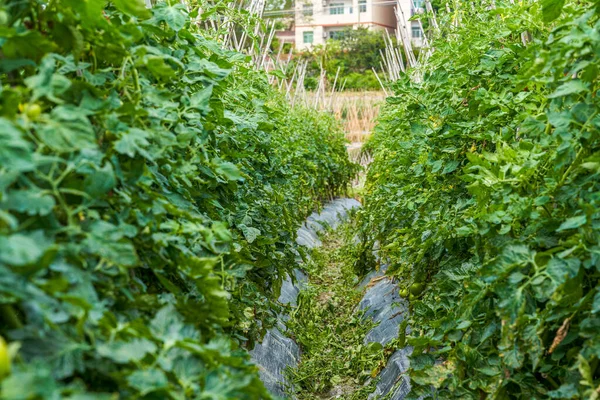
483, 197
151, 183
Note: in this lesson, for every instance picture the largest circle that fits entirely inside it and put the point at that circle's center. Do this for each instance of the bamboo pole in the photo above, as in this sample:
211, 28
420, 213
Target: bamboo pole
380, 83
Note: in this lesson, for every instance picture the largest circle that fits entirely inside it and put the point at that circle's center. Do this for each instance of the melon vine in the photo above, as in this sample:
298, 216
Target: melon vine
151, 183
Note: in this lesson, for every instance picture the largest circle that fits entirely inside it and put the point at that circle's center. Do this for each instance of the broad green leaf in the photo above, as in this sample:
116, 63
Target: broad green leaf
450, 167
198, 267
68, 130
572, 223
551, 9
147, 381
30, 383
91, 11
159, 67
174, 16
15, 151
119, 252
201, 98
566, 391
124, 352
540, 201
91, 396
560, 269
168, 326
30, 202
570, 87
136, 8
205, 66
532, 126
516, 254
513, 358
229, 171
133, 142
436, 375
422, 361
47, 83
27, 44
11, 65
560, 120
21, 250
250, 233
100, 181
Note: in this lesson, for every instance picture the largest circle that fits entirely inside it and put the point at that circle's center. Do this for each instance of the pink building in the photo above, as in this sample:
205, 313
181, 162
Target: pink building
319, 20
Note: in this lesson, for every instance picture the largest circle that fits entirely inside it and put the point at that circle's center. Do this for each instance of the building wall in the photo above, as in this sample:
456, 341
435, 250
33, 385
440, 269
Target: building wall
322, 13
384, 15
322, 21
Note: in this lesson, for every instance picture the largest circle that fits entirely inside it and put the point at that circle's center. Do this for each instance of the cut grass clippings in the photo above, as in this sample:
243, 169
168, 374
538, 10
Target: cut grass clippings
335, 363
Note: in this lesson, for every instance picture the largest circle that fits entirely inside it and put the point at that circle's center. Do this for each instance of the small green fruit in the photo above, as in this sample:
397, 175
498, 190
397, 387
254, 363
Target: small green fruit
3, 18
33, 111
416, 288
4, 359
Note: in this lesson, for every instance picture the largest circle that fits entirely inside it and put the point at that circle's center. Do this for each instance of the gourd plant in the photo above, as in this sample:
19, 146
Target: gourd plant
151, 183
484, 199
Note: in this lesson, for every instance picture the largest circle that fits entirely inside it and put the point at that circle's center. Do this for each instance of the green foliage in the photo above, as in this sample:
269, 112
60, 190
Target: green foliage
361, 81
151, 184
484, 193
355, 54
360, 49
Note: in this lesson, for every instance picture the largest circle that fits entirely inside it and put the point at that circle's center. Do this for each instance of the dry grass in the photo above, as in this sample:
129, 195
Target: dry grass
357, 111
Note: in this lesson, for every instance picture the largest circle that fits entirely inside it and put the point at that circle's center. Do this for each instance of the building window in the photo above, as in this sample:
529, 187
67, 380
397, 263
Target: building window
336, 35
307, 10
416, 32
362, 6
417, 7
308, 37
336, 9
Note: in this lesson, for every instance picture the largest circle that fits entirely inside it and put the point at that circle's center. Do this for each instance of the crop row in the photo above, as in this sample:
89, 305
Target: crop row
484, 197
151, 183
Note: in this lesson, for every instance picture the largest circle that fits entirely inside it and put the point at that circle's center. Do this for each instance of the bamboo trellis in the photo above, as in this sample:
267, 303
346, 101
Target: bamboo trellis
393, 64
256, 42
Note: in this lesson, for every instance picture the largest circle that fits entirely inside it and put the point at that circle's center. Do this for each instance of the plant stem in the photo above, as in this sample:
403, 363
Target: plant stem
10, 317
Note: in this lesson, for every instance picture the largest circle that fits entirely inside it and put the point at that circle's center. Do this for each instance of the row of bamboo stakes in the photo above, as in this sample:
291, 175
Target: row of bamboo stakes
397, 58
257, 43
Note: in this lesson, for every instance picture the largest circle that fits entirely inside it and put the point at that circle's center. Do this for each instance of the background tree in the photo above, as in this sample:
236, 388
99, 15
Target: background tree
355, 54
